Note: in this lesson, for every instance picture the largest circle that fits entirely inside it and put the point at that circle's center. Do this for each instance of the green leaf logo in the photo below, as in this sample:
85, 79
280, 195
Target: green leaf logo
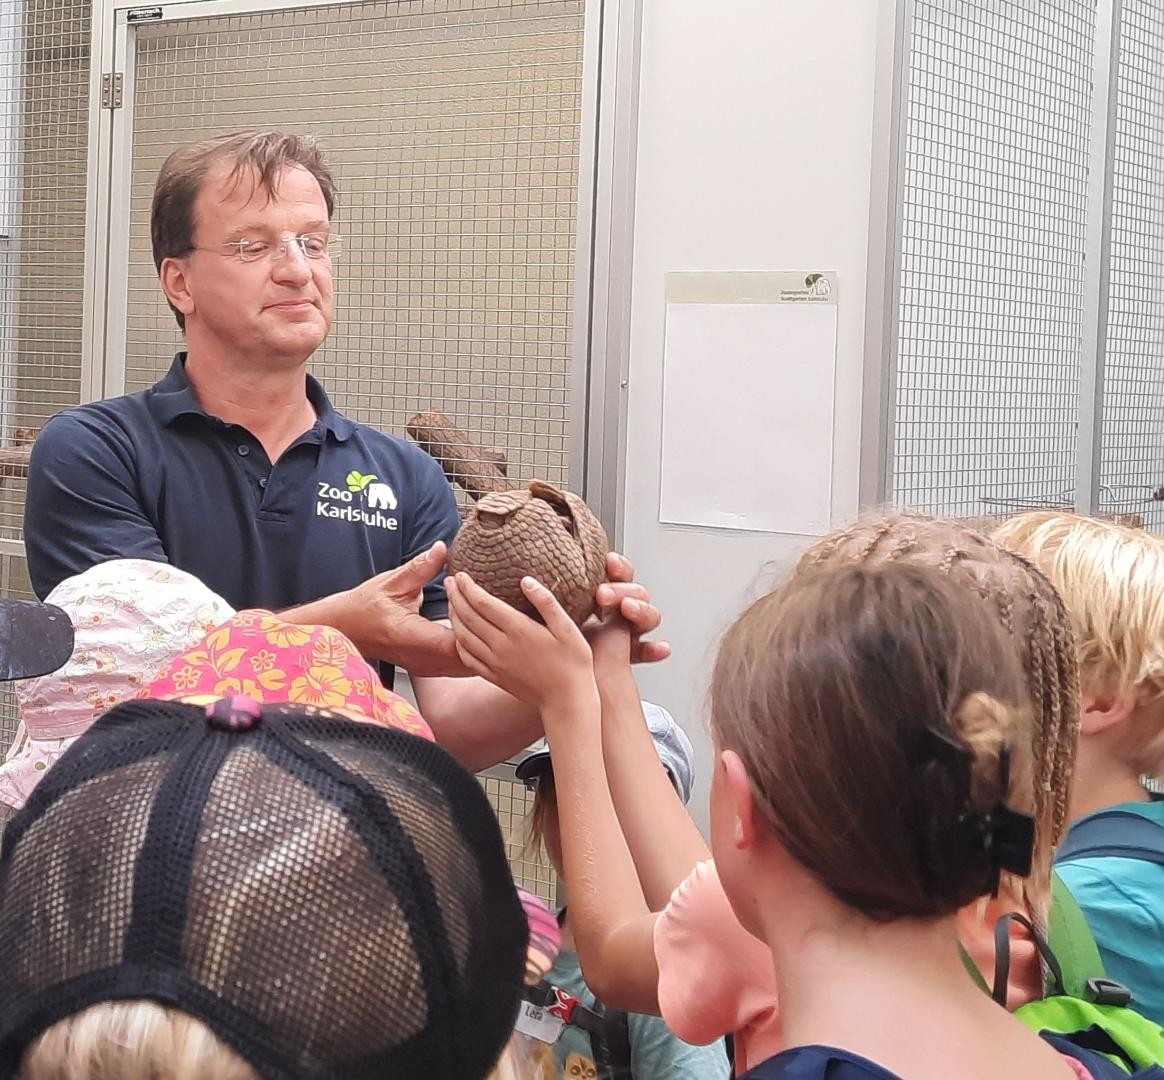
357, 481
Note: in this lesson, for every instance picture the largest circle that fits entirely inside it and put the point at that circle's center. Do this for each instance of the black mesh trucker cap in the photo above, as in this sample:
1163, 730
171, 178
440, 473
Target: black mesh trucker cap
331, 898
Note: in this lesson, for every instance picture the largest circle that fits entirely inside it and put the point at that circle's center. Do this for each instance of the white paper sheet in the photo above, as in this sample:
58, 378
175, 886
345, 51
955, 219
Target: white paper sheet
748, 416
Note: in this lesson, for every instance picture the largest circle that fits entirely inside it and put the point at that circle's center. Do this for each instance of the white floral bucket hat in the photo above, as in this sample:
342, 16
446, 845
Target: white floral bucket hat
130, 618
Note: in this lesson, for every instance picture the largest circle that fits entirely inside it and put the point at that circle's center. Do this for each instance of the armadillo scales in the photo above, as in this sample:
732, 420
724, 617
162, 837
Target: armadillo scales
549, 534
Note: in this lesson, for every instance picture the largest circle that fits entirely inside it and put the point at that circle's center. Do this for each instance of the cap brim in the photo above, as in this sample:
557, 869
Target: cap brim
532, 766
34, 639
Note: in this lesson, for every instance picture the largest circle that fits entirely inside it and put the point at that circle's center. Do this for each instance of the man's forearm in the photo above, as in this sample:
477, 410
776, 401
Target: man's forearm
326, 611
476, 722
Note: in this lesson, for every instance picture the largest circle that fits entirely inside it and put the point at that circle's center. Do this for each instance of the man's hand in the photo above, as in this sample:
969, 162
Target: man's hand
623, 596
382, 618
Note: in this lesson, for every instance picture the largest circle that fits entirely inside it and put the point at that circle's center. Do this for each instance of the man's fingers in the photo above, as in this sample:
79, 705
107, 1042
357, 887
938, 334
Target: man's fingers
619, 568
643, 617
419, 634
651, 652
415, 574
609, 594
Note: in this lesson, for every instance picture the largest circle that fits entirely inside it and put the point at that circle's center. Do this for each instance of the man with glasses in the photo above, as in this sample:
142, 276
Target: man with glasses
236, 468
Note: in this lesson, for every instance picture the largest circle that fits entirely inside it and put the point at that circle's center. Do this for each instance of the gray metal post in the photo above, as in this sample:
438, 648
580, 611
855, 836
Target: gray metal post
883, 278
1097, 270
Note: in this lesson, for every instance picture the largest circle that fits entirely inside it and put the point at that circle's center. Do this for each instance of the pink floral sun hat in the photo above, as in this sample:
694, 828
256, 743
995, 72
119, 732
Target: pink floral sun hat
130, 617
258, 655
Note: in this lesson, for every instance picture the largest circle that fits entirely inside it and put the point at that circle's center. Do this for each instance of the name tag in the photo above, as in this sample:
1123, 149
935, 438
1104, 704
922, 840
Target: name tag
538, 1023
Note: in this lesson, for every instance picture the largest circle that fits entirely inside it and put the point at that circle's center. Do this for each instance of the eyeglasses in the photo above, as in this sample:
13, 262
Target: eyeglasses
312, 245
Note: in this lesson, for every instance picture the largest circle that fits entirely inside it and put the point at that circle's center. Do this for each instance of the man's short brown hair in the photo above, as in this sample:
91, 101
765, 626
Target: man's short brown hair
261, 154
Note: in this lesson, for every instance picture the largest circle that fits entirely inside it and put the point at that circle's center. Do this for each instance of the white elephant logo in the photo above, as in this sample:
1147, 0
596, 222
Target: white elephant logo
380, 496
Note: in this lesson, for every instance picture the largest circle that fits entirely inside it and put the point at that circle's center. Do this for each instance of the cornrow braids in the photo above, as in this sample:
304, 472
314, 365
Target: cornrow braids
1027, 606
1065, 664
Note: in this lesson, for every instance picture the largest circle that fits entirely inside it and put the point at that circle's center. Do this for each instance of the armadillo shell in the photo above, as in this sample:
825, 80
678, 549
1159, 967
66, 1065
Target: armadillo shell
549, 534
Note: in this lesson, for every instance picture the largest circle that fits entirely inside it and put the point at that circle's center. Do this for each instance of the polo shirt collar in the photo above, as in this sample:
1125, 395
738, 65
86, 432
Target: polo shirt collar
173, 396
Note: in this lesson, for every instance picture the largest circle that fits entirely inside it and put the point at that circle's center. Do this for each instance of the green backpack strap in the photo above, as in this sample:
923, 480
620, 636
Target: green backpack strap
1071, 941
972, 969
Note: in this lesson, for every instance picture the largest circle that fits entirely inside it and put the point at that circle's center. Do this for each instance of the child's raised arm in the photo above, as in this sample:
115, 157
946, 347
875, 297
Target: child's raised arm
550, 666
664, 842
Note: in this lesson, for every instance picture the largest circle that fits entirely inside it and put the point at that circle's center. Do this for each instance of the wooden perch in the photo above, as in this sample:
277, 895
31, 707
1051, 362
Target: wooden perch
478, 471
14, 456
14, 462
497, 457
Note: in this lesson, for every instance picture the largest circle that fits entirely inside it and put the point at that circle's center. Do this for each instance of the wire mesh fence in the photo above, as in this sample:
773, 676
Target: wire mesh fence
994, 212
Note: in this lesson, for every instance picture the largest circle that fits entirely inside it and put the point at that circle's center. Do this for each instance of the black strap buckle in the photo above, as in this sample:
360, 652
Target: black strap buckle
1108, 992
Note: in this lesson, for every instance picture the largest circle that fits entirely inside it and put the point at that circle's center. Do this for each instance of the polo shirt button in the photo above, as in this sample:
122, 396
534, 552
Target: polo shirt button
243, 450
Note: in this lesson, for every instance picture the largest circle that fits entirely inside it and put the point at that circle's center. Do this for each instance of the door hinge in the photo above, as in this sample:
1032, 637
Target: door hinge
111, 90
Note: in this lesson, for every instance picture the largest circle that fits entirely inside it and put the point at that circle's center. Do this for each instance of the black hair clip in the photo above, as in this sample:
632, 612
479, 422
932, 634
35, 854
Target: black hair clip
941, 747
1004, 835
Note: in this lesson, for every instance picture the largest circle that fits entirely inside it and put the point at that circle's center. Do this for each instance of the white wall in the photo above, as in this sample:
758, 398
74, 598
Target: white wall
754, 153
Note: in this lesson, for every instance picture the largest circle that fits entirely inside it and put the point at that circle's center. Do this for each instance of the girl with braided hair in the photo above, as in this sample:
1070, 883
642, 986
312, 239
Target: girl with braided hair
657, 934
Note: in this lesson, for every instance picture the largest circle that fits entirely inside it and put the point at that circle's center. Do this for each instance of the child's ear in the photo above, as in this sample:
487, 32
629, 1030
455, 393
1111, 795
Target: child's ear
976, 926
1102, 712
743, 802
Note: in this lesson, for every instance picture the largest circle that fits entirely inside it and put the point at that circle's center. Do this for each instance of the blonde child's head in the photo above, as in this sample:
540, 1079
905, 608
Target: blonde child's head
132, 1040
1111, 579
129, 1040
1024, 603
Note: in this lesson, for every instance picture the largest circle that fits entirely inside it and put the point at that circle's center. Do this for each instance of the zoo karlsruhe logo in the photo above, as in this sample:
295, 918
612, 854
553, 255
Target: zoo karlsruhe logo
365, 499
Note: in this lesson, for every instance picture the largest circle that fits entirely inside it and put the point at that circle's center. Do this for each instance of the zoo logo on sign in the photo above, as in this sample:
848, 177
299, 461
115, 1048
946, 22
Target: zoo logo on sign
818, 289
365, 500
818, 286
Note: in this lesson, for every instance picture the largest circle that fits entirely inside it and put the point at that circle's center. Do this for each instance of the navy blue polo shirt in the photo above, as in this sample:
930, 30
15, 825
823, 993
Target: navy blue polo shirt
152, 475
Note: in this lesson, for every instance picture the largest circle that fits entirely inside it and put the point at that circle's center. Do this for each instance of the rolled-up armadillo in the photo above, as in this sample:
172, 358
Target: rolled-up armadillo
541, 531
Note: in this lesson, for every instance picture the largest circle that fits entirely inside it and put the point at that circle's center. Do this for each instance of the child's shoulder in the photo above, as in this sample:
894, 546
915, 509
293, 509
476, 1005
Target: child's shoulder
818, 1063
1129, 830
